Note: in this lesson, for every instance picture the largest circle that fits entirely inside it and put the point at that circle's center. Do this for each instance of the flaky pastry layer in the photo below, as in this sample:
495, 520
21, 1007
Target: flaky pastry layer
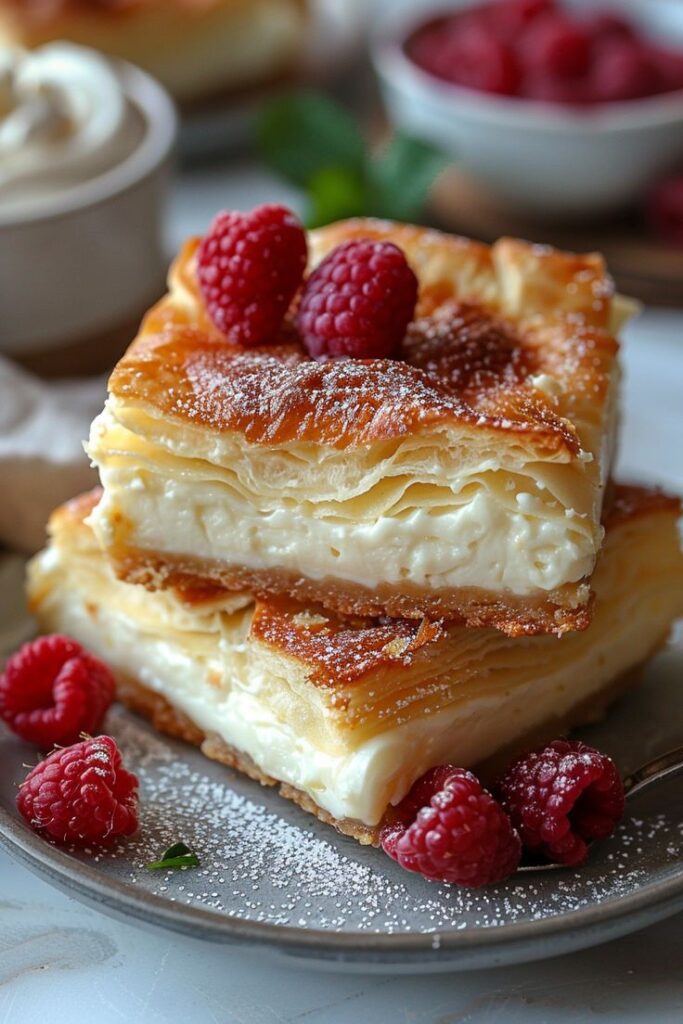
350, 711
465, 478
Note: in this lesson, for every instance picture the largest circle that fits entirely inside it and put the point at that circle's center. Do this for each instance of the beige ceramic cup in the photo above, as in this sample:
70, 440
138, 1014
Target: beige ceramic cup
82, 270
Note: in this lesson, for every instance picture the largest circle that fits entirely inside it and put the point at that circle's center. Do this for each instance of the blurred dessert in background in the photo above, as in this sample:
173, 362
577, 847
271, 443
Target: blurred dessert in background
196, 48
544, 50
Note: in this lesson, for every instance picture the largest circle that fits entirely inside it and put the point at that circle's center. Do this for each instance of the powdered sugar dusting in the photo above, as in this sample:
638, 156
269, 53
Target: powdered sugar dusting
264, 860
458, 365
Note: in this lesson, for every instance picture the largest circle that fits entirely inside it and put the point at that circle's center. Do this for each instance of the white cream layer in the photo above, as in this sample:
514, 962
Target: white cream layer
487, 526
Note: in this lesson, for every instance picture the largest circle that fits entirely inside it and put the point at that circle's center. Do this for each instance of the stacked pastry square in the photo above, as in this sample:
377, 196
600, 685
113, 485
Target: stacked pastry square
336, 574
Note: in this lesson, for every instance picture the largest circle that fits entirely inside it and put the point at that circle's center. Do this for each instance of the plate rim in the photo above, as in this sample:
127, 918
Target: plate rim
45, 859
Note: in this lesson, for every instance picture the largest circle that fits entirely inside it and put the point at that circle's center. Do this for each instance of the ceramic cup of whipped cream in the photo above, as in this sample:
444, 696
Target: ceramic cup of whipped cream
85, 149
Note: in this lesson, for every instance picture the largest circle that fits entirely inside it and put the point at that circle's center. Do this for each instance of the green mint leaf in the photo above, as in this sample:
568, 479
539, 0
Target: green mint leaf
177, 856
300, 134
402, 175
335, 193
191, 861
177, 850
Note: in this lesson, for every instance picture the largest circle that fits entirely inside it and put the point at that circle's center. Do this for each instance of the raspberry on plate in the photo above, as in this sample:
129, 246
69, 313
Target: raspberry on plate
52, 691
249, 266
358, 302
563, 797
450, 829
81, 794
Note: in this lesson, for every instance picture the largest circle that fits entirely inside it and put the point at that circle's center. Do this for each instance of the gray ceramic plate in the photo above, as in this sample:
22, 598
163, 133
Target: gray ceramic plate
272, 876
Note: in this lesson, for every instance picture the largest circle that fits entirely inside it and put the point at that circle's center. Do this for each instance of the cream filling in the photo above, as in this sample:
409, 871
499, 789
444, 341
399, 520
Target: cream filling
479, 544
358, 780
485, 526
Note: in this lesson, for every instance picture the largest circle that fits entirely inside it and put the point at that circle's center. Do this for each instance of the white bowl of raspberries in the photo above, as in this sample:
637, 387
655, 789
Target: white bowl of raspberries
558, 107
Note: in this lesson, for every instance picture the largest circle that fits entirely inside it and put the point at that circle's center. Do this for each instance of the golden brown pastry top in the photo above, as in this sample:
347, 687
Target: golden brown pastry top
488, 320
340, 650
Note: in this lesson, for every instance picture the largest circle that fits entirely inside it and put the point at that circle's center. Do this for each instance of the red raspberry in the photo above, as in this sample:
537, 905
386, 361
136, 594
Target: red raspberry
449, 829
81, 794
52, 691
475, 58
668, 66
622, 70
552, 89
664, 209
509, 17
609, 25
358, 301
249, 267
561, 798
481, 61
557, 46
429, 46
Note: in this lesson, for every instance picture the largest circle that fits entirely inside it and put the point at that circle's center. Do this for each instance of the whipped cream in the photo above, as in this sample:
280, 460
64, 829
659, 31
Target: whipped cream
64, 119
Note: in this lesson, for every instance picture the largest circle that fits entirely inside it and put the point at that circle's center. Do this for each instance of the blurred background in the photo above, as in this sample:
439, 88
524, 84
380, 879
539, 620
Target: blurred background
125, 125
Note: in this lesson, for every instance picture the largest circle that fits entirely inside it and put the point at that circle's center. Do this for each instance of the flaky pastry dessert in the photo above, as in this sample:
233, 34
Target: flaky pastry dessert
357, 536
346, 713
197, 48
461, 474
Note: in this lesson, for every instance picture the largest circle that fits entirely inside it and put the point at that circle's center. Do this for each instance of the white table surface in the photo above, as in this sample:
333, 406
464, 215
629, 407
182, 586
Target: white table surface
63, 963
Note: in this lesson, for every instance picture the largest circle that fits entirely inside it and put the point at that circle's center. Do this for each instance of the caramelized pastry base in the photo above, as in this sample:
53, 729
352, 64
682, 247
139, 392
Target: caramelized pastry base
560, 611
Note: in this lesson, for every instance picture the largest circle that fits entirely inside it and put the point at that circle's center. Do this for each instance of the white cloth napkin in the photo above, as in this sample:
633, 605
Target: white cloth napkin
42, 463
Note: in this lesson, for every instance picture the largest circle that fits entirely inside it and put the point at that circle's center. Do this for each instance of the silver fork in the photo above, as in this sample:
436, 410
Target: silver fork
663, 767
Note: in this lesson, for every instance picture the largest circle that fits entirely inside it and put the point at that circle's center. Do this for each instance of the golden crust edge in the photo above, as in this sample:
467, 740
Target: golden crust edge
561, 611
